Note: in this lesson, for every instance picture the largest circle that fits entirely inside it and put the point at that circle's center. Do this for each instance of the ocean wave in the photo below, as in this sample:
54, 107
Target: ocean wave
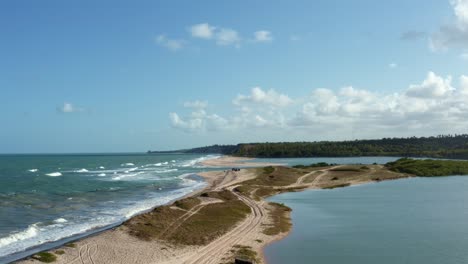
90, 220
30, 232
60, 220
102, 167
194, 162
54, 174
165, 171
101, 174
124, 176
33, 170
132, 169
81, 170
127, 164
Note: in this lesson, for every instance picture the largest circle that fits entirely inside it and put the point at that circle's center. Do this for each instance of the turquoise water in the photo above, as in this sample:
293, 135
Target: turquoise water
46, 198
417, 220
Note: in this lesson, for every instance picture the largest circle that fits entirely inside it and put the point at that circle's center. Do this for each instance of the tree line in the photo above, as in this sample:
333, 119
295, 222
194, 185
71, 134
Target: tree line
442, 146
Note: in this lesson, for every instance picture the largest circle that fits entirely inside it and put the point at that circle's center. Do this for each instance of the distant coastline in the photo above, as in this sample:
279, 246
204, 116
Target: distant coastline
443, 146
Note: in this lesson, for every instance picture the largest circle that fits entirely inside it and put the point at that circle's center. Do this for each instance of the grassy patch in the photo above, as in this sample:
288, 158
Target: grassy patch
245, 253
245, 190
349, 168
210, 222
45, 257
150, 225
70, 245
280, 217
187, 203
429, 167
59, 252
280, 176
313, 165
268, 170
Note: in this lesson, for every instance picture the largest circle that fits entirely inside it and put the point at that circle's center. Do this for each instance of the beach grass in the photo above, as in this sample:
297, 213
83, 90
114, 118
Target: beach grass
210, 222
279, 214
45, 257
187, 203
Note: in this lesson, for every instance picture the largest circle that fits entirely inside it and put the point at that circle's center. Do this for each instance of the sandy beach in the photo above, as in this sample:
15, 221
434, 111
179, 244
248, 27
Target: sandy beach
118, 245
230, 161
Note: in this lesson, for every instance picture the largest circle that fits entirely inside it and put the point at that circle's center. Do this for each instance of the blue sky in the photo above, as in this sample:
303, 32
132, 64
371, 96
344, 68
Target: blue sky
108, 76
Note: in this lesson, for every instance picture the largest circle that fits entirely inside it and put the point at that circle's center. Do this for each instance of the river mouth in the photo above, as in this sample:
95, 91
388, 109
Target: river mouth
415, 220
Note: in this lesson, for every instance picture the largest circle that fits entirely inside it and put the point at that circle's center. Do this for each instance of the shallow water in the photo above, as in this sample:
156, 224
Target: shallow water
417, 220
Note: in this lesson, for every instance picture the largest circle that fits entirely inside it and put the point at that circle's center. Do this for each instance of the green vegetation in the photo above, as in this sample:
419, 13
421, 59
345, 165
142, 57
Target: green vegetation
275, 176
313, 165
187, 203
70, 245
280, 216
212, 221
245, 253
45, 257
429, 167
59, 252
443, 146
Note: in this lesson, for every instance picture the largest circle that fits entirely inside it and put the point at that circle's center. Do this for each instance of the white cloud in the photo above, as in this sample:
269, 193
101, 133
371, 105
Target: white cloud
263, 36
69, 108
171, 44
392, 65
224, 36
431, 107
455, 34
432, 86
203, 30
259, 96
227, 36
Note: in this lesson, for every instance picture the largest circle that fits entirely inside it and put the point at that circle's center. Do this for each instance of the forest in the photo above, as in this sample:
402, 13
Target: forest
442, 146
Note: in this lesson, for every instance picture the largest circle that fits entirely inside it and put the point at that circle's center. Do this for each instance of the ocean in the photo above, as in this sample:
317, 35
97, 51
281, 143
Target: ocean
47, 199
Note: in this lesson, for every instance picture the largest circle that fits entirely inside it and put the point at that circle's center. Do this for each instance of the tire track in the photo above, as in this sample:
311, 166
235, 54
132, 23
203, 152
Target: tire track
213, 252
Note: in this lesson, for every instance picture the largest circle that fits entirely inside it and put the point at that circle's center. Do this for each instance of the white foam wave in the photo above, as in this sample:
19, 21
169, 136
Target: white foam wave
127, 164
60, 220
102, 167
30, 232
81, 170
194, 162
33, 170
101, 174
132, 169
54, 174
165, 171
129, 175
88, 220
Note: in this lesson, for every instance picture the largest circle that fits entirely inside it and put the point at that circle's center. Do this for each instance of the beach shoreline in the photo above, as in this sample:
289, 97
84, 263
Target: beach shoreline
116, 245
215, 180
